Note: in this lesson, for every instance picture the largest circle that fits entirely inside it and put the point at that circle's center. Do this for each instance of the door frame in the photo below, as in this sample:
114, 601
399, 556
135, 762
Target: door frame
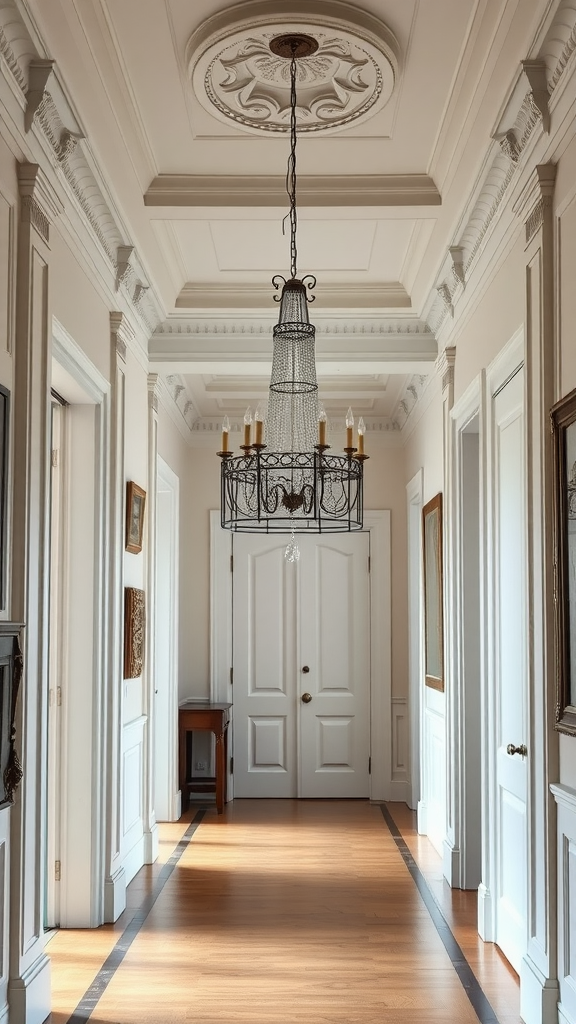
414, 492
83, 732
468, 417
167, 798
377, 523
504, 366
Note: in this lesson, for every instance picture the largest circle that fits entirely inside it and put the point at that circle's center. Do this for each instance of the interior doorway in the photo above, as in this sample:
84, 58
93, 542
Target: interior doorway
301, 659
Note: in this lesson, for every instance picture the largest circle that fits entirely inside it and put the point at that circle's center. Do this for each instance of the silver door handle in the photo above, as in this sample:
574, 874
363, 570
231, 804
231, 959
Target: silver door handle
522, 749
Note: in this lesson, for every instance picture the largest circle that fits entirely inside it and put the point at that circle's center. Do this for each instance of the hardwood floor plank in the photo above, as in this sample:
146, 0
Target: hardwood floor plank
280, 912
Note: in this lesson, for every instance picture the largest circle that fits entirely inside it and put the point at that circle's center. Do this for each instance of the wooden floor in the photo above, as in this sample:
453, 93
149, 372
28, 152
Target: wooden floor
280, 912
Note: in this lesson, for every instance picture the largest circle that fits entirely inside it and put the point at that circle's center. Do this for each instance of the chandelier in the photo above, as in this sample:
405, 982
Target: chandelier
286, 479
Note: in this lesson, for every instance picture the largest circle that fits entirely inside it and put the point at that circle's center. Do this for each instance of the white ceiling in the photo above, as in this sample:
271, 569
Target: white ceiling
202, 196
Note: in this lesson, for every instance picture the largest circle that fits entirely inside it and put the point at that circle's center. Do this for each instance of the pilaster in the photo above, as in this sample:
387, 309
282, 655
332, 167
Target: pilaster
121, 335
451, 849
150, 826
29, 987
538, 984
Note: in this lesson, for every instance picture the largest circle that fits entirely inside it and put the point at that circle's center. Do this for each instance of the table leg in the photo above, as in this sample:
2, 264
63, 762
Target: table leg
220, 772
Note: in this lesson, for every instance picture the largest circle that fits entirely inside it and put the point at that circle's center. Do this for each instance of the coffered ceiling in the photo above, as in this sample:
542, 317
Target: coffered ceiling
185, 110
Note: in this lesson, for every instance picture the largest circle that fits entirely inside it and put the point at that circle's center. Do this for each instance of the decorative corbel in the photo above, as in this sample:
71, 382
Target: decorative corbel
509, 145
457, 257
535, 71
444, 293
68, 142
39, 72
139, 292
123, 254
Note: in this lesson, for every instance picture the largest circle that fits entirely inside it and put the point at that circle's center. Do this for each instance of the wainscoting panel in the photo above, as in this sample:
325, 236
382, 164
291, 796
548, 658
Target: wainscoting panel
132, 797
433, 775
400, 742
566, 801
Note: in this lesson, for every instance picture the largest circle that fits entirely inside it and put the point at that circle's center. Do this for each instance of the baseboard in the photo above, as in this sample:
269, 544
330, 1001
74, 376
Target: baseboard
133, 860
114, 896
485, 914
29, 996
399, 791
538, 995
151, 842
451, 865
177, 806
422, 818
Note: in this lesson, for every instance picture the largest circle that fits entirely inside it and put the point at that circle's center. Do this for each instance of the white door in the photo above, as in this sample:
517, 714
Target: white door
301, 630
510, 661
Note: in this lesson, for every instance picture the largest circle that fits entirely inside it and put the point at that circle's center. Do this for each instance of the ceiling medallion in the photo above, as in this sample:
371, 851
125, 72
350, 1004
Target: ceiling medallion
346, 71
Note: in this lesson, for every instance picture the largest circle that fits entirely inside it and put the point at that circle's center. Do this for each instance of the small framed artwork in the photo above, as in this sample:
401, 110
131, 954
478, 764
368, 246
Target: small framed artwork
433, 593
563, 423
135, 504
4, 455
134, 632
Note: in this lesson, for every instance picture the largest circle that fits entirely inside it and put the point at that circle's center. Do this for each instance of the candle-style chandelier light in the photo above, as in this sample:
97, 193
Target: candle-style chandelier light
285, 479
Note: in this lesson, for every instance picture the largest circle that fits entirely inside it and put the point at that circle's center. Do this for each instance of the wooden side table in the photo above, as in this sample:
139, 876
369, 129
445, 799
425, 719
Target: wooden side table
195, 715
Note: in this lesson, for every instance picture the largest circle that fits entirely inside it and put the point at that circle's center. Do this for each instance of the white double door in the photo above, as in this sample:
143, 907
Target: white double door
301, 659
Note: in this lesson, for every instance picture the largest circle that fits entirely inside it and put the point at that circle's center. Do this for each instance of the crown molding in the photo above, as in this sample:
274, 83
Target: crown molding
49, 117
329, 296
524, 118
225, 190
411, 395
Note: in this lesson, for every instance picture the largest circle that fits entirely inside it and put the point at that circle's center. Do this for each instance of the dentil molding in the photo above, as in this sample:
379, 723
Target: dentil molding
236, 77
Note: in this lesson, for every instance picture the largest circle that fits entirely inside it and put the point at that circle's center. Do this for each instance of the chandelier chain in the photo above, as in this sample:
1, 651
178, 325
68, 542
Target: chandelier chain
291, 174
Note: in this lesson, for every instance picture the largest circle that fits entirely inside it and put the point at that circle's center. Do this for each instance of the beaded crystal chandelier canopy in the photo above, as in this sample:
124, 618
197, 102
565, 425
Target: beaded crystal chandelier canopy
286, 480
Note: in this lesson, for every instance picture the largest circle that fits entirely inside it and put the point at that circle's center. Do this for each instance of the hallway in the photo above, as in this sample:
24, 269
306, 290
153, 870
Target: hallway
287, 911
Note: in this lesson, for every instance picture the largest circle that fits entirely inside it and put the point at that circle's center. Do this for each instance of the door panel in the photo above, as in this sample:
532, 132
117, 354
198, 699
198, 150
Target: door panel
510, 667
334, 607
264, 669
318, 609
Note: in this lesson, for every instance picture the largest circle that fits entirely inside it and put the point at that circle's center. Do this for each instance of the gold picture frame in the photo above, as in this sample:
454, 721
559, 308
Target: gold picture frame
433, 593
134, 632
563, 424
135, 505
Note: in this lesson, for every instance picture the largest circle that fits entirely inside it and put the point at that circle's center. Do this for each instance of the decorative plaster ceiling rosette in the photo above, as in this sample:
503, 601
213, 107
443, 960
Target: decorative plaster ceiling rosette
237, 78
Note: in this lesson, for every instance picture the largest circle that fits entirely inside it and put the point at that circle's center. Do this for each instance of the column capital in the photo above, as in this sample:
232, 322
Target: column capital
154, 386
40, 202
121, 333
445, 367
535, 197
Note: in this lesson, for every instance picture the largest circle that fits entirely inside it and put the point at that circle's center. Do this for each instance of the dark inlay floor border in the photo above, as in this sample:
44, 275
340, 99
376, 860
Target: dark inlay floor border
94, 993
470, 983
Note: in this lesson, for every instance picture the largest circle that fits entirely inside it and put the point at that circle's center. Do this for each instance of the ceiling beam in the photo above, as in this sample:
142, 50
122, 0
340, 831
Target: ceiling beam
330, 296
225, 190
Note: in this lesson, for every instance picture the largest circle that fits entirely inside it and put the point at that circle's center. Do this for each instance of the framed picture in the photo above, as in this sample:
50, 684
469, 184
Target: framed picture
433, 593
563, 417
135, 503
134, 632
4, 455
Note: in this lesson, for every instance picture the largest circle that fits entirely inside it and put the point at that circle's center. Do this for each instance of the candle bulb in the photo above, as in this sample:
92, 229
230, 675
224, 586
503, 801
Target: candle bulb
349, 428
247, 427
322, 418
225, 432
361, 431
259, 419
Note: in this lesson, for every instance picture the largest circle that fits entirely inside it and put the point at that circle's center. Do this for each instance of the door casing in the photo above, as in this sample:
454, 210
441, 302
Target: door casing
382, 786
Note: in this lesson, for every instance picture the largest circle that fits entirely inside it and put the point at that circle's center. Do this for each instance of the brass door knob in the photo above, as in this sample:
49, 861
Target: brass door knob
305, 668
306, 698
522, 749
